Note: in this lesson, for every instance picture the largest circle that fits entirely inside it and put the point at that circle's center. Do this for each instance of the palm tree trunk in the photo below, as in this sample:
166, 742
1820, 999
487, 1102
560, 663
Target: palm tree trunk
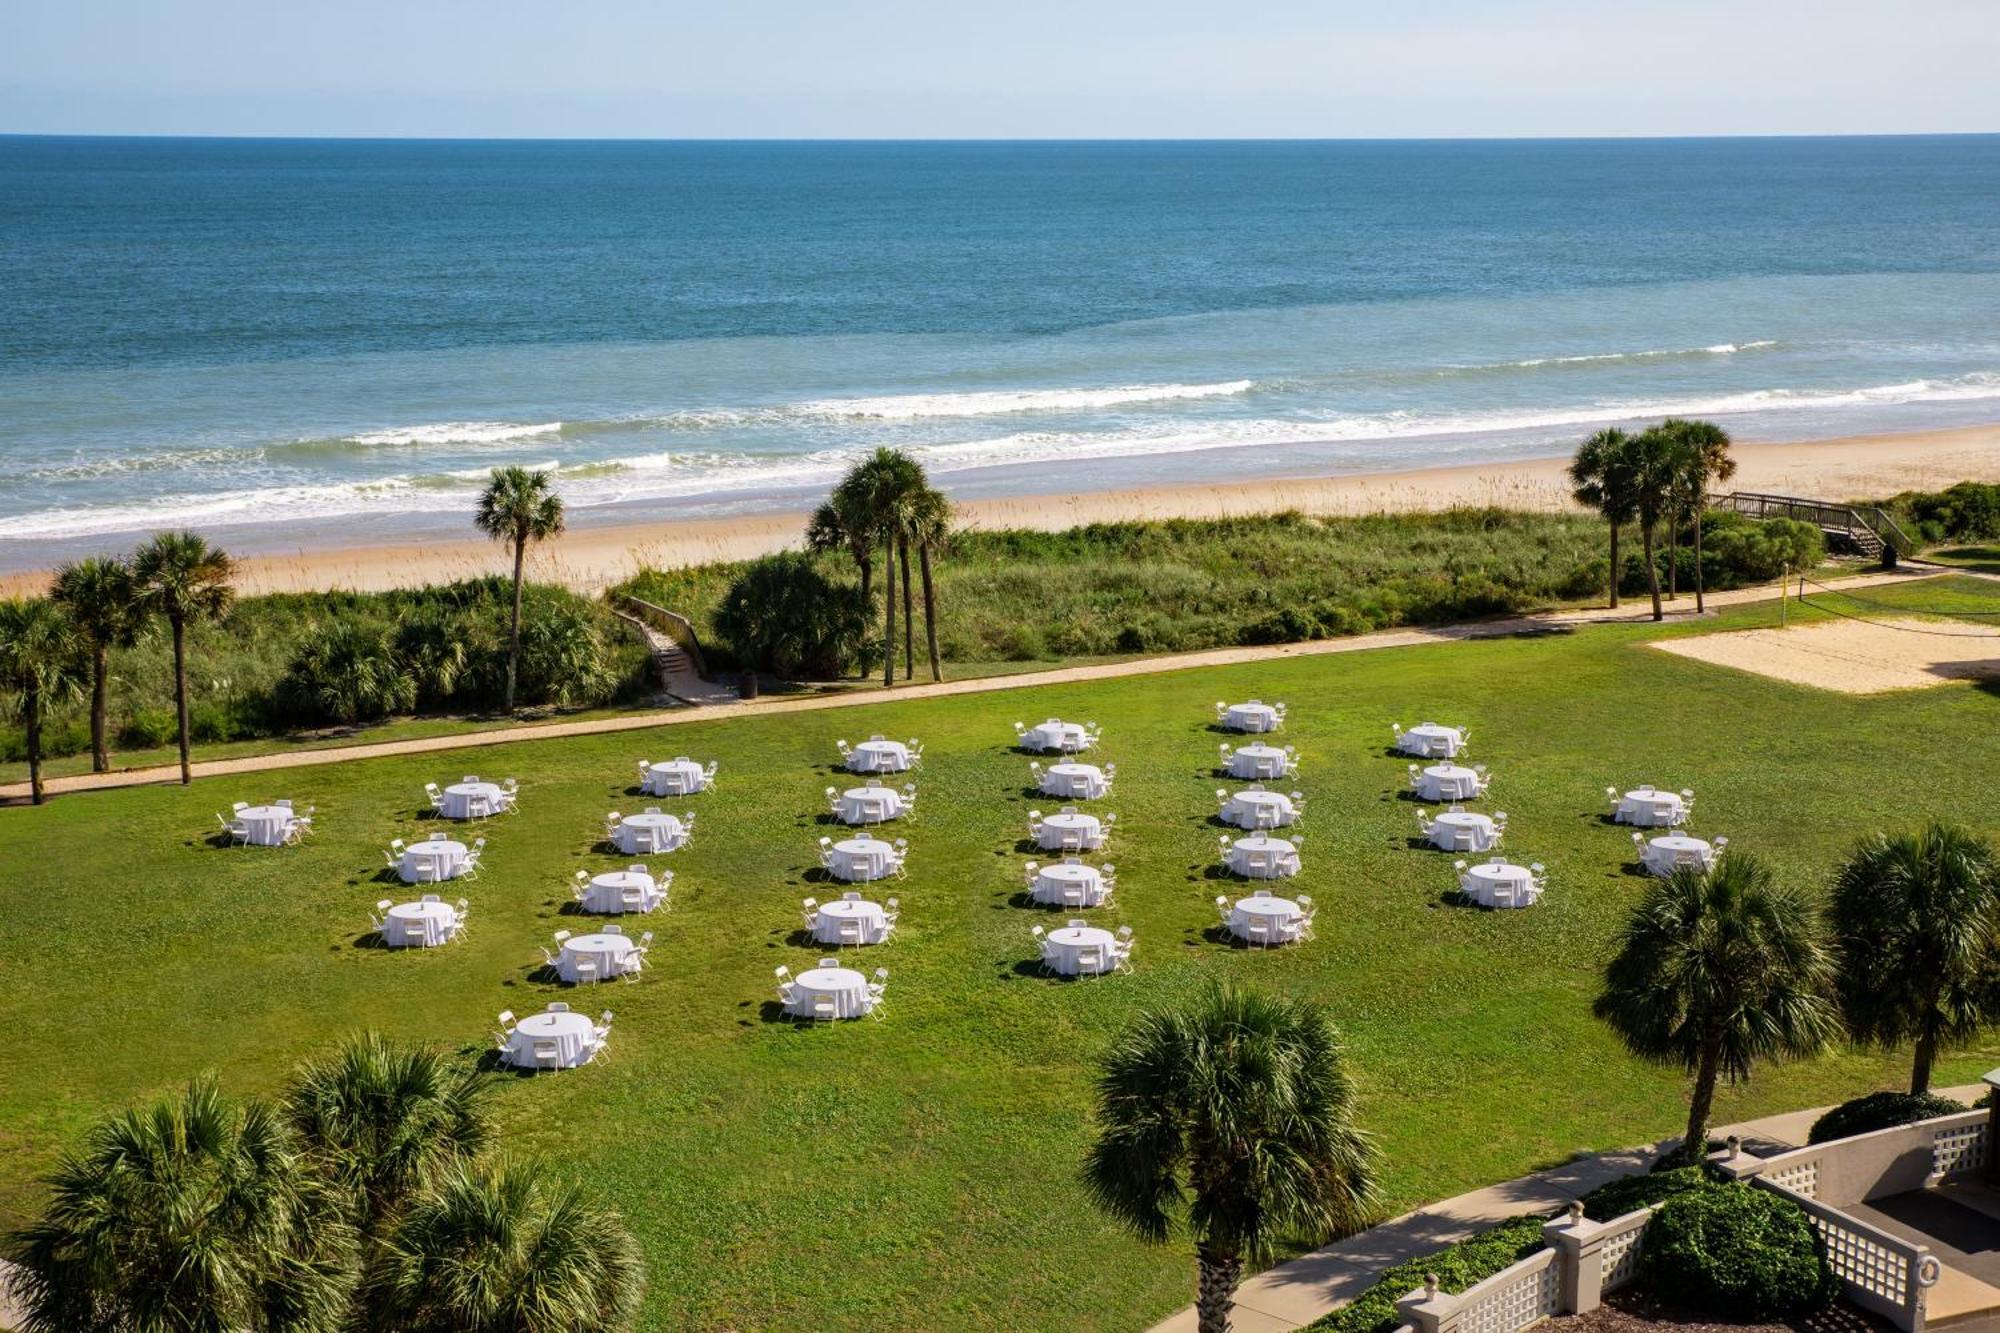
181, 695
100, 672
1652, 569
909, 614
867, 592
930, 612
1920, 1066
31, 720
889, 617
1700, 583
1217, 1273
1702, 1103
1614, 566
514, 625
1673, 555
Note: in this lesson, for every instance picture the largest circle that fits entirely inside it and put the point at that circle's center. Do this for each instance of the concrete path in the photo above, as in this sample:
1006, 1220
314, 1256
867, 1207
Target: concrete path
1294, 1294
1631, 613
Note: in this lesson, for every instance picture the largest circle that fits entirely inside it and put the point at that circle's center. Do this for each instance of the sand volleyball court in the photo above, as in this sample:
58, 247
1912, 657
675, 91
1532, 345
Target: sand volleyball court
1855, 656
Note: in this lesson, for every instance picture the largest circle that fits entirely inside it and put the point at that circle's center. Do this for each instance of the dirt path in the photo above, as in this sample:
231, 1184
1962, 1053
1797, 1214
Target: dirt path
1633, 611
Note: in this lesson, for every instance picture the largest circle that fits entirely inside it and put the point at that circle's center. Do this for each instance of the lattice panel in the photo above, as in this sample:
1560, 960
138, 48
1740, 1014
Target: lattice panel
1799, 1177
1527, 1299
1865, 1263
1961, 1149
1619, 1257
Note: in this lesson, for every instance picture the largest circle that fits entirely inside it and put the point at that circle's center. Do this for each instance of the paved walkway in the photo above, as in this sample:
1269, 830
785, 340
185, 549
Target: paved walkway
1632, 612
1294, 1294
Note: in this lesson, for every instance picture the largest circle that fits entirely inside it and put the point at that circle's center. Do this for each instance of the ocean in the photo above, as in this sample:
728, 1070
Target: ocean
294, 343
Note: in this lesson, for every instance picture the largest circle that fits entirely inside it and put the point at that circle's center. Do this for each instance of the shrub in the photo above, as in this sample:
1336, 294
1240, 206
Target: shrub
1631, 1193
562, 653
784, 616
1457, 1267
1879, 1110
1968, 511
347, 673
147, 729
1734, 1250
1737, 550
1023, 643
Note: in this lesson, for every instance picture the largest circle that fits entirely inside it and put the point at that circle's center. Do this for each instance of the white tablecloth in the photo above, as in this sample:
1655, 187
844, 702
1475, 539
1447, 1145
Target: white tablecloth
648, 833
1065, 885
570, 1034
1259, 809
848, 989
874, 922
612, 953
1259, 761
1499, 884
432, 860
1429, 740
678, 777
1068, 737
1664, 853
1068, 947
420, 925
870, 805
1465, 831
1278, 916
1447, 782
1253, 716
1275, 858
1071, 832
605, 894
878, 757
265, 824
1081, 780
1647, 808
472, 800
856, 859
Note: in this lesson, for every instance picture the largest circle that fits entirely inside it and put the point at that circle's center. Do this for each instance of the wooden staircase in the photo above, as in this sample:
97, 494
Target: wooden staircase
1866, 531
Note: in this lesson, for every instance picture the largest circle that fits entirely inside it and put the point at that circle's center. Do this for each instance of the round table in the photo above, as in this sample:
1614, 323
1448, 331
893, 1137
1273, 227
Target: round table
570, 1034
870, 805
1464, 830
862, 858
1253, 716
1070, 829
1053, 735
432, 861
1259, 761
1656, 809
1448, 782
1259, 809
1428, 738
1085, 780
1280, 857
472, 800
265, 825
611, 952
847, 988
879, 757
419, 925
1067, 947
1067, 885
1663, 852
660, 833
681, 777
1497, 884
605, 894
1276, 915
828, 920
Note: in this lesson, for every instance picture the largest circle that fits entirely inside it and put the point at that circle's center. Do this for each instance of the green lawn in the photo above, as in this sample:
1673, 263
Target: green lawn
919, 1172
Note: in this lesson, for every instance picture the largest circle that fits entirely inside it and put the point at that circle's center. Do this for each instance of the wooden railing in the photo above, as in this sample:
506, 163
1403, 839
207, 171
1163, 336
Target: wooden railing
1869, 528
675, 626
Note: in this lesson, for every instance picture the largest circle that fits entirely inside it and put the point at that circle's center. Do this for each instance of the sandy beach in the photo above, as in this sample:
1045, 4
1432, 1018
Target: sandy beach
591, 556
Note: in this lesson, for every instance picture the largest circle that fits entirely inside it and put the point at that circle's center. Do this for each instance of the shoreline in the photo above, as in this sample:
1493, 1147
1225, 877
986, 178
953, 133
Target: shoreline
592, 556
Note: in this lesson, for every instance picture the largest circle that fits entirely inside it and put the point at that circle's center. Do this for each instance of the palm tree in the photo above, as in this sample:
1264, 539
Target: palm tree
1916, 920
180, 576
98, 595
385, 1121
1600, 479
40, 665
1653, 471
1233, 1118
1705, 460
843, 523
190, 1215
930, 531
518, 507
1714, 973
879, 496
505, 1250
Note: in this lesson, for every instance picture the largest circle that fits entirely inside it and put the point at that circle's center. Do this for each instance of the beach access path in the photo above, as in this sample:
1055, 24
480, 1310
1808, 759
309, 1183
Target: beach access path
1634, 611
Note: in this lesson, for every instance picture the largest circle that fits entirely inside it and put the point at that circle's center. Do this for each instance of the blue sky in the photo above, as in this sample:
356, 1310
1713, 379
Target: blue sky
1024, 68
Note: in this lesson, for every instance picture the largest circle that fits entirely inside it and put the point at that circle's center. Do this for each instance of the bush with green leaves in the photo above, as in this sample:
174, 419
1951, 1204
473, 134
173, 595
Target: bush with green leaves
1629, 1194
783, 615
1737, 1250
1968, 511
1459, 1266
349, 673
1879, 1110
1737, 550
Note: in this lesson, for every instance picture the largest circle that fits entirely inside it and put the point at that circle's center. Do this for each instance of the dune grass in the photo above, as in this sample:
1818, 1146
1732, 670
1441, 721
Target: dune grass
920, 1172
